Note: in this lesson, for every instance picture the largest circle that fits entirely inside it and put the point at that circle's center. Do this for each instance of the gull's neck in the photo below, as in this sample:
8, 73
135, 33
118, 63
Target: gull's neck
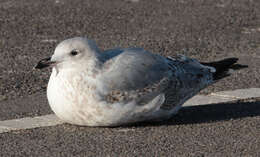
93, 65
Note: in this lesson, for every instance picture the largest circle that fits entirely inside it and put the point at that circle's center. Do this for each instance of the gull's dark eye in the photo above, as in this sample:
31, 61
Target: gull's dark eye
74, 52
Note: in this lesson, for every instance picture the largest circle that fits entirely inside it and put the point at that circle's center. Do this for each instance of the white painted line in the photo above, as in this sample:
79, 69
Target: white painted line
29, 123
52, 120
239, 94
224, 96
205, 100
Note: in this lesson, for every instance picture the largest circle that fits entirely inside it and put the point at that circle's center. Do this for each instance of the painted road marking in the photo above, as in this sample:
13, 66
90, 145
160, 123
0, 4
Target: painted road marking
239, 94
29, 123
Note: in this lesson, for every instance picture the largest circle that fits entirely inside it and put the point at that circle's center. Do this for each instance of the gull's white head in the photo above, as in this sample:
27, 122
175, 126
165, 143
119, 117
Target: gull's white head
71, 53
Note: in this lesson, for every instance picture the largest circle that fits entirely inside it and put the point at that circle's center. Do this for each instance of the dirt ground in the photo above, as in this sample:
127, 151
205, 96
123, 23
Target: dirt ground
203, 29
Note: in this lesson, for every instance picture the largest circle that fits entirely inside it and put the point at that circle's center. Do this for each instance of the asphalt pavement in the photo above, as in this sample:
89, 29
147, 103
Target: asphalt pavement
205, 30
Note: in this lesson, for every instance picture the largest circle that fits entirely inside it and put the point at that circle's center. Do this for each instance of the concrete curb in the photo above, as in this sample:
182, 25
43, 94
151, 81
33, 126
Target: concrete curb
52, 120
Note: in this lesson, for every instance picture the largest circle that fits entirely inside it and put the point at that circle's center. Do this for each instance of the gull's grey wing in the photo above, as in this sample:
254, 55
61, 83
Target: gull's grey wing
191, 77
109, 54
137, 74
133, 69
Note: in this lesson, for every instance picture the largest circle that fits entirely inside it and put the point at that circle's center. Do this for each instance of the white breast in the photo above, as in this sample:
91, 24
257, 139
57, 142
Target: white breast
74, 98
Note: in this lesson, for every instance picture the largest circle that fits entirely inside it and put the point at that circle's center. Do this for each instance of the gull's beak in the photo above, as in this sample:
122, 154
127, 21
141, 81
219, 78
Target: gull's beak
44, 63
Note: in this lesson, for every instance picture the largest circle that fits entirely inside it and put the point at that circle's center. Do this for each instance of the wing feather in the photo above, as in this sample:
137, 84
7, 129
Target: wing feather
134, 74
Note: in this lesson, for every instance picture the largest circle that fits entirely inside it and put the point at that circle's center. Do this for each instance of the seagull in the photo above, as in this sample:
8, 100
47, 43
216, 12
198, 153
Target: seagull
121, 86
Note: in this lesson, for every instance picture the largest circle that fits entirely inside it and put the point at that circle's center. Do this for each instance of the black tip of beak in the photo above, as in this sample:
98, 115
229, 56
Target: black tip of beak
46, 62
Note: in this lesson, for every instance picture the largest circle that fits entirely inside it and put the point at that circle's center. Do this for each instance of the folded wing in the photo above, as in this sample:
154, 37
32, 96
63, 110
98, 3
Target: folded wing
134, 74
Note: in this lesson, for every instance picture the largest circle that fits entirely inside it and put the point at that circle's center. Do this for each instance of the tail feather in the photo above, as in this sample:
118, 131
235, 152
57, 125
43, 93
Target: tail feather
222, 67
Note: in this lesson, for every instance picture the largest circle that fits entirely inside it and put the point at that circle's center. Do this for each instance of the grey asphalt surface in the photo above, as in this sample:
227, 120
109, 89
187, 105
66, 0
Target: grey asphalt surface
206, 30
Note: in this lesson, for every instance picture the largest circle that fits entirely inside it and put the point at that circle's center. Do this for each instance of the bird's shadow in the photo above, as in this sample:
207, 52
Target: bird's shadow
210, 113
